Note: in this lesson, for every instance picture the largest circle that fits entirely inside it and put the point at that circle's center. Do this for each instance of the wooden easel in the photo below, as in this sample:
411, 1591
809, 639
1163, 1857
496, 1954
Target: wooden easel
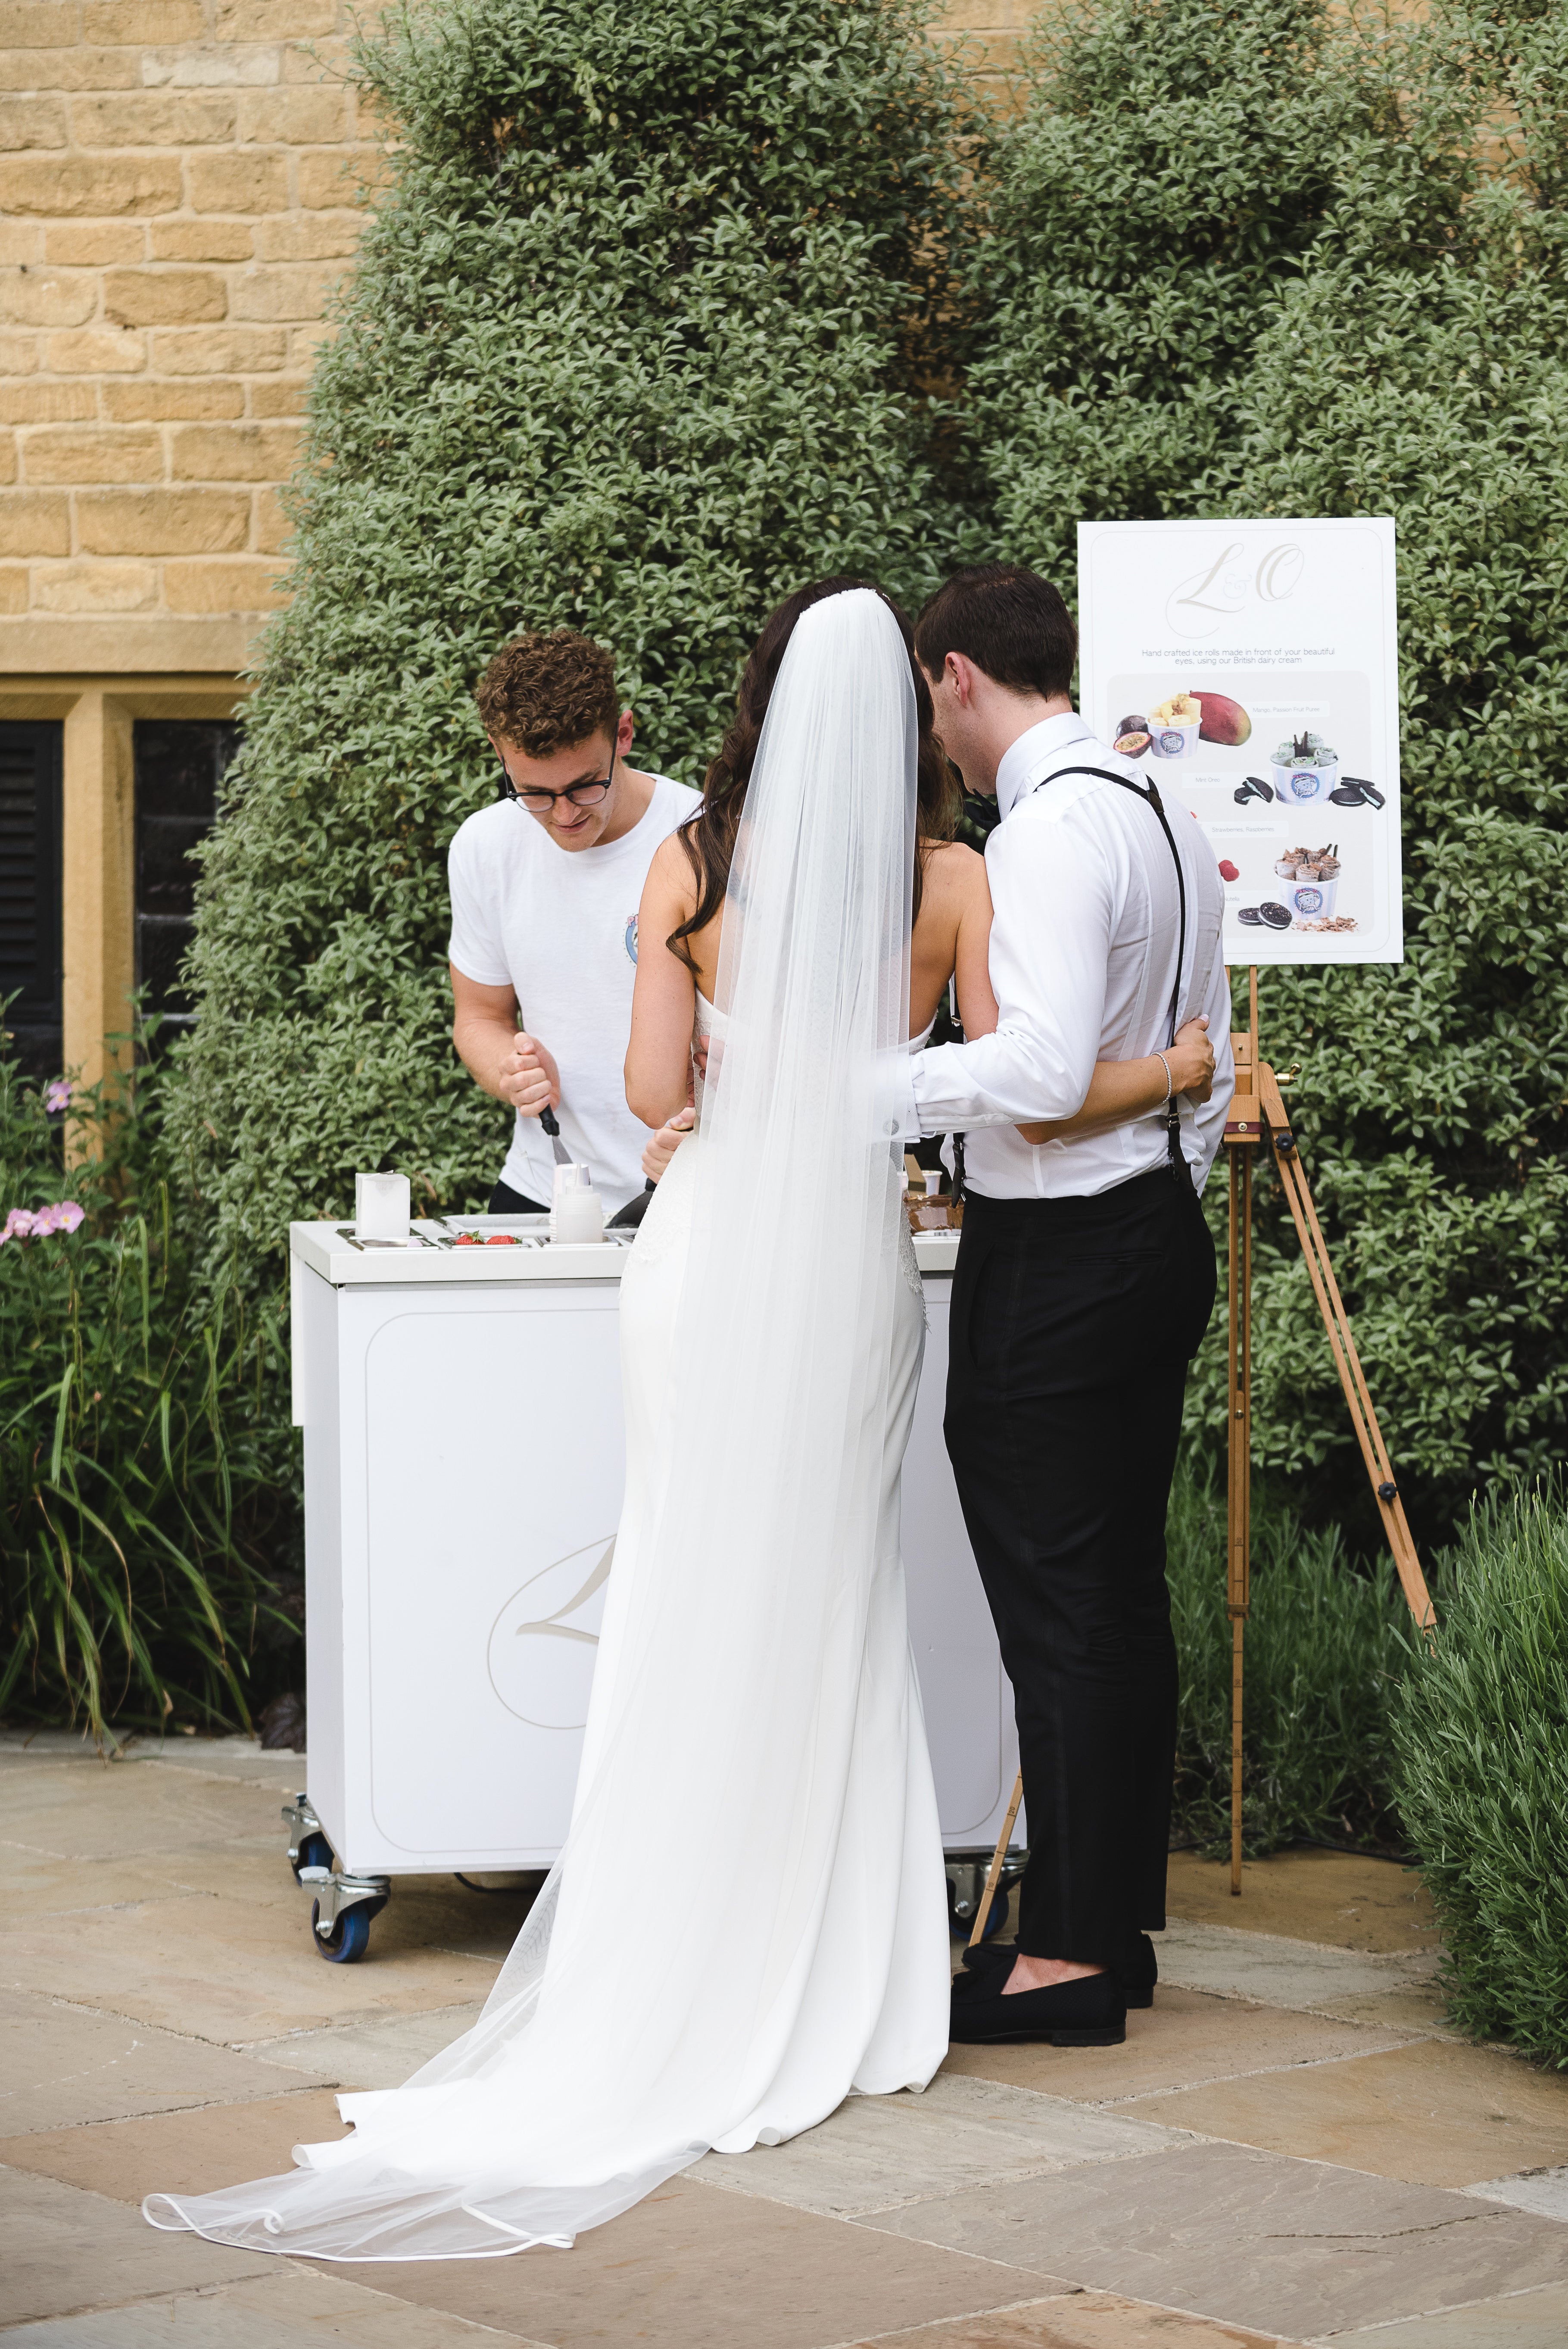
1258, 1109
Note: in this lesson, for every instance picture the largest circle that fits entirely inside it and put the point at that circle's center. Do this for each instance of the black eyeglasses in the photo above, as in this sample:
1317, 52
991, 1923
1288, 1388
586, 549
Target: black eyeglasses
543, 802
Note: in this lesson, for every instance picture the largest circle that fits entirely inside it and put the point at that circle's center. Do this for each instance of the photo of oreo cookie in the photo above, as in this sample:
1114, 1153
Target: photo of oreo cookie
1274, 916
1357, 792
1250, 915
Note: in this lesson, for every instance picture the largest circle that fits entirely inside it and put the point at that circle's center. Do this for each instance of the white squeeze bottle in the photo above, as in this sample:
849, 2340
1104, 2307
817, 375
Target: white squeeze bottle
578, 1212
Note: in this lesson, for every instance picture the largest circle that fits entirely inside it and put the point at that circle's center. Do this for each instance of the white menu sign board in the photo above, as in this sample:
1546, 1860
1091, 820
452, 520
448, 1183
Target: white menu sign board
1250, 667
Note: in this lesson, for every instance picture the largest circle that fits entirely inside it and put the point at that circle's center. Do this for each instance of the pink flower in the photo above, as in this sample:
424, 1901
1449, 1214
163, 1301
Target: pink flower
37, 1222
57, 1096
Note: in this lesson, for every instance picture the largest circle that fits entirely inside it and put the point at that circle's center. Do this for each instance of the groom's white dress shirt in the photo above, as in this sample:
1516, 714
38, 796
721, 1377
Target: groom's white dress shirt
1083, 961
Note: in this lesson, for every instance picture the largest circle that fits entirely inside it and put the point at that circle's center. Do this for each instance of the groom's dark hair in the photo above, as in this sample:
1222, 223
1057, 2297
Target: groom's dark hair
1010, 621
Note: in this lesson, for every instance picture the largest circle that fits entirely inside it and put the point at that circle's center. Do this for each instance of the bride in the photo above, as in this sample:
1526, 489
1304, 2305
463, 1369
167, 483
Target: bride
747, 1921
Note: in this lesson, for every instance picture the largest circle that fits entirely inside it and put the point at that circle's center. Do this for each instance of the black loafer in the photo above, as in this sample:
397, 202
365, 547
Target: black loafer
1089, 2012
1138, 1973
987, 1956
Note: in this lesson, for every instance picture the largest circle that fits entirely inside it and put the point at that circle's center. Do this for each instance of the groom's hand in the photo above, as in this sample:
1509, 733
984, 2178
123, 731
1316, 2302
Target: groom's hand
663, 1145
529, 1078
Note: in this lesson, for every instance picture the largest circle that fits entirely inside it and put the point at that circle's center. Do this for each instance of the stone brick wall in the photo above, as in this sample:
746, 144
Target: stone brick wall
178, 188
987, 36
181, 184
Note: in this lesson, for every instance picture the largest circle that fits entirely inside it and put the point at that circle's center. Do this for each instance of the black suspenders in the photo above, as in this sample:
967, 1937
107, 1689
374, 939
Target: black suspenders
1151, 798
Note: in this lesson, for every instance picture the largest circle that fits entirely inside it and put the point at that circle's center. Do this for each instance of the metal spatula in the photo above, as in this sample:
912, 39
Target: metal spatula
563, 1156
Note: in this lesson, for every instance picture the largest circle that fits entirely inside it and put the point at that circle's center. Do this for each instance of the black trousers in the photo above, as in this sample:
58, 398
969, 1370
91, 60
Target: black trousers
505, 1201
1073, 1322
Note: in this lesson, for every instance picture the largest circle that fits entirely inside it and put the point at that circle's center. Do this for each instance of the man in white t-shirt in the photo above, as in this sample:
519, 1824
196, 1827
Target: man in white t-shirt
545, 886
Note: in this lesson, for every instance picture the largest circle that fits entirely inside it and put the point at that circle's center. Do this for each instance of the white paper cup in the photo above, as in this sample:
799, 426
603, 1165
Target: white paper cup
1311, 901
1174, 738
381, 1206
1304, 786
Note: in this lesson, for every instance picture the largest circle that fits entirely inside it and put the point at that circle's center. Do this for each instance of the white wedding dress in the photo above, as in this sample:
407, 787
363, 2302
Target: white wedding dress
749, 1920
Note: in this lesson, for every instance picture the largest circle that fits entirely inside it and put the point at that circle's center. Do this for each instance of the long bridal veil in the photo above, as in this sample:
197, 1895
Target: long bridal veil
686, 1942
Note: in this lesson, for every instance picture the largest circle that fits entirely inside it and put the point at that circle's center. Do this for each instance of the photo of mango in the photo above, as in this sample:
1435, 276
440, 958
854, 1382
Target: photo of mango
1223, 720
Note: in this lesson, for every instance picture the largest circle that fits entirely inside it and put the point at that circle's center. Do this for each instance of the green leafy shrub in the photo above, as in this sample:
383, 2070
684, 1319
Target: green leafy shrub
1480, 1733
138, 1504
1252, 257
634, 345
1324, 1649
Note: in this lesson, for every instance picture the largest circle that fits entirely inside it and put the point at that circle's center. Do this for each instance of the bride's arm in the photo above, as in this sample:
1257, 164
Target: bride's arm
1127, 1089
664, 1000
1121, 1090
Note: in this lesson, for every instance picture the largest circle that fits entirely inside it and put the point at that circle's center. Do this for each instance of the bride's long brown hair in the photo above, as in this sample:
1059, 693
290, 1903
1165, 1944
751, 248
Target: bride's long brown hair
708, 837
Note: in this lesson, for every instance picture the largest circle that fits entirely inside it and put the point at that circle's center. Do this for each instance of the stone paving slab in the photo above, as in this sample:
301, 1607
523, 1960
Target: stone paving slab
696, 2268
1436, 2113
51, 1884
1422, 2008
62, 2250
62, 2065
291, 2308
1251, 2238
430, 1917
1544, 2191
876, 2152
220, 1971
217, 1757
370, 2054
1525, 2320
1342, 1898
1278, 1972
239, 1758
183, 2153
99, 1811
1187, 2037
1080, 2320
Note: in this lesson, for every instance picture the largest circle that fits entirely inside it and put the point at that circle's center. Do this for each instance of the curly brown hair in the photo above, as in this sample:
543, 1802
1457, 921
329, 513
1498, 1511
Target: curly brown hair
544, 693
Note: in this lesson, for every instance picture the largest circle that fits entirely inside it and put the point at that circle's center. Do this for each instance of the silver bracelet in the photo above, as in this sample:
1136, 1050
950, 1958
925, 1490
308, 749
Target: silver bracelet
1166, 1066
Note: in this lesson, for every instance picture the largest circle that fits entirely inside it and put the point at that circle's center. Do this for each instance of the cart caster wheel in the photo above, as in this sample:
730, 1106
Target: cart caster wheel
314, 1852
349, 1938
961, 1927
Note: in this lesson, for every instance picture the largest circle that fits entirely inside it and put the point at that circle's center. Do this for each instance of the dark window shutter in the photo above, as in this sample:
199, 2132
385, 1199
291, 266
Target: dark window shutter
30, 891
180, 763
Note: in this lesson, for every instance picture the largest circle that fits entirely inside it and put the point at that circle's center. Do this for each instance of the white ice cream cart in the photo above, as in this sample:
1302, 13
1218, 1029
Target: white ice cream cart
463, 1451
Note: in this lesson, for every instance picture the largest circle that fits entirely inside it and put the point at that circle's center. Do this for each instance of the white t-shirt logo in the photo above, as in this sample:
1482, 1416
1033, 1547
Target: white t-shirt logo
632, 937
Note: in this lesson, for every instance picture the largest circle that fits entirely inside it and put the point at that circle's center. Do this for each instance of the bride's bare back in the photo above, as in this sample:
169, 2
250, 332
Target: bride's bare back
952, 932
951, 940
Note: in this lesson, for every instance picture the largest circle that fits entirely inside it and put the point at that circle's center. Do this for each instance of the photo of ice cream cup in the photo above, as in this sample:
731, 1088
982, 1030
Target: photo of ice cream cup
1173, 727
1311, 901
1308, 884
1305, 769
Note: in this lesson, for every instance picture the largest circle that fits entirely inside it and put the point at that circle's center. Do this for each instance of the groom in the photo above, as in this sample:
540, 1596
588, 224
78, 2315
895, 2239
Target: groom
1085, 1280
